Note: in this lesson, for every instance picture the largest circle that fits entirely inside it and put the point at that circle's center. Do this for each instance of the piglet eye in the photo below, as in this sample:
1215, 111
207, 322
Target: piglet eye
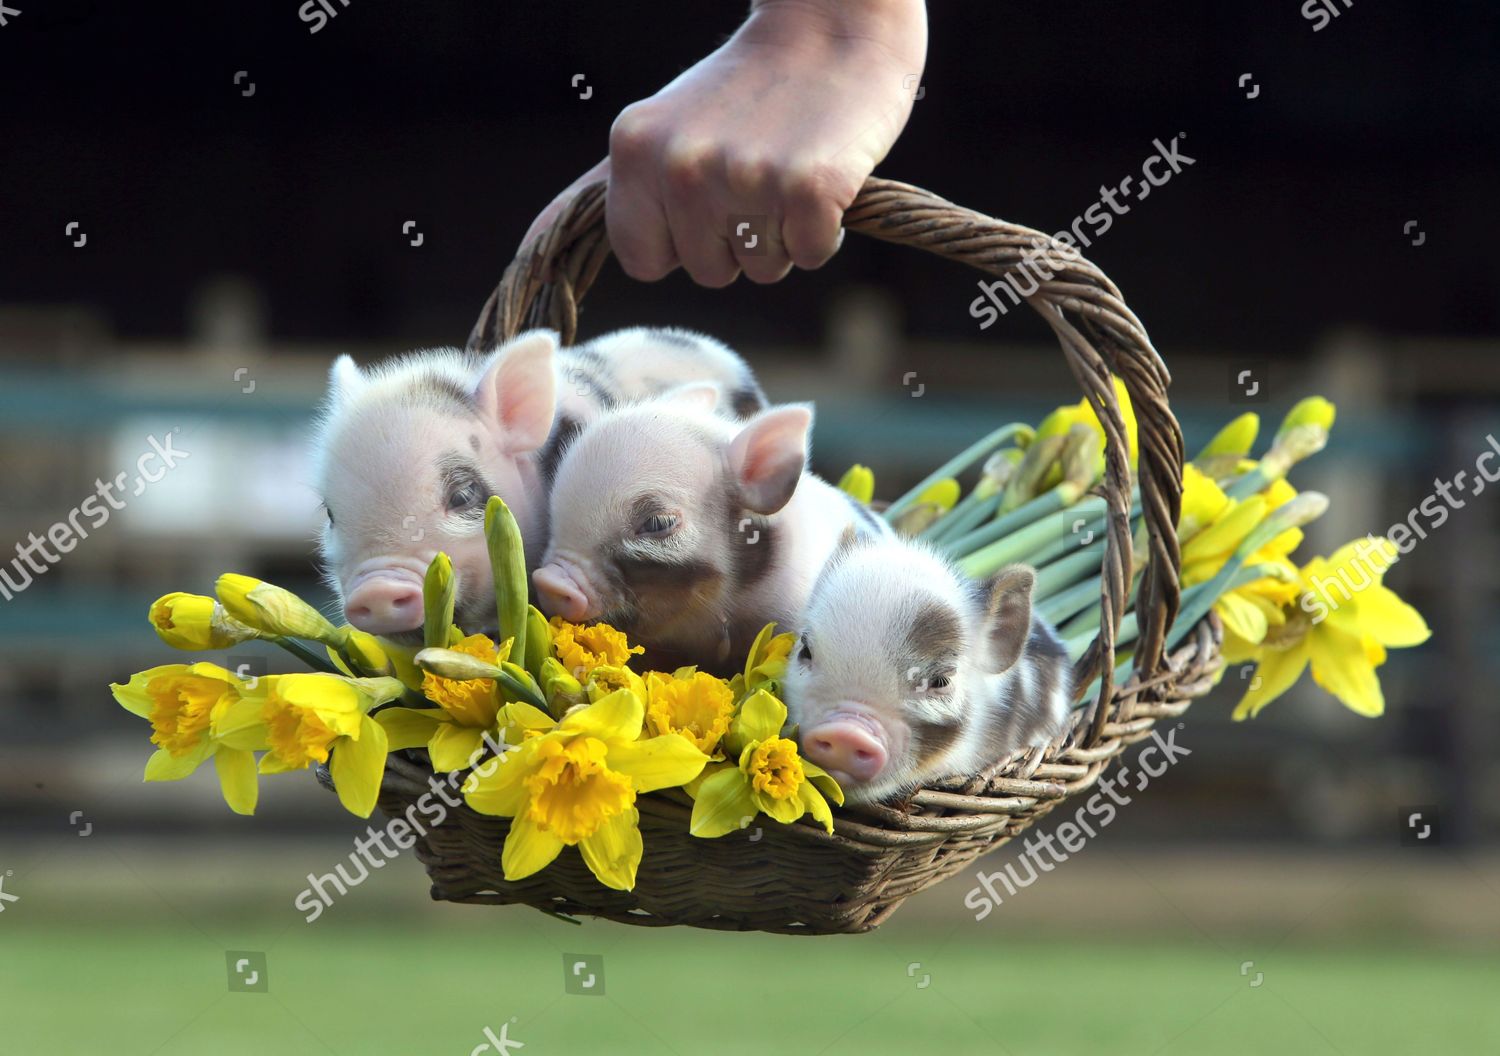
330, 516
805, 655
939, 682
658, 524
465, 497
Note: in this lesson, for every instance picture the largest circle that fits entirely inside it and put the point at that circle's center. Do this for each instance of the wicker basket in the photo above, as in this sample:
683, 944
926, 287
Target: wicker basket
797, 878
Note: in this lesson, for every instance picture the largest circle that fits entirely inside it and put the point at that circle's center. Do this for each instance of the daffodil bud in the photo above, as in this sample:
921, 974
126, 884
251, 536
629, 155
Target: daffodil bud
1082, 461
273, 610
439, 590
538, 640
192, 621
365, 652
859, 482
1040, 458
452, 664
559, 687
934, 500
1313, 412
607, 678
1235, 439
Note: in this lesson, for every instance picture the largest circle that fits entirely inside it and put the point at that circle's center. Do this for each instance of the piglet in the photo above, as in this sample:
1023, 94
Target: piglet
412, 450
690, 531
905, 671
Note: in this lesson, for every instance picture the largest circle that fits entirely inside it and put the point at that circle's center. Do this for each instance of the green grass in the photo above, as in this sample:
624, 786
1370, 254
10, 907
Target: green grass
429, 982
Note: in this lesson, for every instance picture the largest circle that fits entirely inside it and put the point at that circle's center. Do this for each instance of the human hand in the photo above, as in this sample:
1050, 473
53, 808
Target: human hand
785, 121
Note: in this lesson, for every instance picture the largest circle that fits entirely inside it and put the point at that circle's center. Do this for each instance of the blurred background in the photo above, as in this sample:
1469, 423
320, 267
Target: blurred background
201, 205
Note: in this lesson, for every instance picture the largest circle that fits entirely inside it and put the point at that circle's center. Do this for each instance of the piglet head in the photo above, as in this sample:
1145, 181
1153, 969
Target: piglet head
648, 508
411, 453
894, 648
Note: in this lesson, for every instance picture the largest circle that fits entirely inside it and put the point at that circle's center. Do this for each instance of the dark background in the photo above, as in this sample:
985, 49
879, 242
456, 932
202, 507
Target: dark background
461, 116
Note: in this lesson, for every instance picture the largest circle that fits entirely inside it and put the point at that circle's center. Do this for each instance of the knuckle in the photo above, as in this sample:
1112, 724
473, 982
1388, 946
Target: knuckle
685, 168
633, 135
747, 176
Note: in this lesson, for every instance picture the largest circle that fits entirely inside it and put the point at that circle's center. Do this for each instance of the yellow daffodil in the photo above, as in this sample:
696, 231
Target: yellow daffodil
1344, 619
768, 777
576, 784
453, 732
192, 621
1212, 526
183, 704
691, 703
581, 648
765, 665
302, 719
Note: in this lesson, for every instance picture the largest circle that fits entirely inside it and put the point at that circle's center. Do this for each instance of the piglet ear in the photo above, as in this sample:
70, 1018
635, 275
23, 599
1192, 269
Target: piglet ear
517, 393
768, 455
698, 395
344, 380
1007, 623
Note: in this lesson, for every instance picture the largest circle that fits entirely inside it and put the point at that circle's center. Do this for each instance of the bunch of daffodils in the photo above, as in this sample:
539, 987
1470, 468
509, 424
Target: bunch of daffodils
546, 721
1037, 501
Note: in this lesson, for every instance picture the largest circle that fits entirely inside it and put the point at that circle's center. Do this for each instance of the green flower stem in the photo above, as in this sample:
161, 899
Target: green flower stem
1011, 525
306, 655
956, 465
964, 517
1057, 581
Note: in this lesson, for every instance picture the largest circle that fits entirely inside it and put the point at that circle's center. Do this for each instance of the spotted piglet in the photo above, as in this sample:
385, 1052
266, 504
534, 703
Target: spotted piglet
906, 672
690, 531
410, 451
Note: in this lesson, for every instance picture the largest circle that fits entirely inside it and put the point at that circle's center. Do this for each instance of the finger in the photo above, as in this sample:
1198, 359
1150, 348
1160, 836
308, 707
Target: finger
760, 250
697, 223
813, 228
545, 218
633, 210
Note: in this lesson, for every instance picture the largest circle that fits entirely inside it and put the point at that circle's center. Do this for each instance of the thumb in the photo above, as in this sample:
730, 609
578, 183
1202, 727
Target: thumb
549, 214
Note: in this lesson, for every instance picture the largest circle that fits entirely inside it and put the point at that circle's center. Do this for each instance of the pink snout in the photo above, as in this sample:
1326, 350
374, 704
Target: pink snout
385, 602
845, 747
559, 593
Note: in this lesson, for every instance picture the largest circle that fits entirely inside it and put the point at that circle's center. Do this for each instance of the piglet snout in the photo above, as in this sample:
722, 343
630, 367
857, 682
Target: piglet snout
387, 602
845, 747
560, 594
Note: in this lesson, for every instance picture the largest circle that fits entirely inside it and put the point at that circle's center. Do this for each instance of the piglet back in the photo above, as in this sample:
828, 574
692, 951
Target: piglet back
1032, 700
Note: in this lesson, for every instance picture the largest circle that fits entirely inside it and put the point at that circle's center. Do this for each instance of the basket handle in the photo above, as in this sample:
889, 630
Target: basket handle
1100, 338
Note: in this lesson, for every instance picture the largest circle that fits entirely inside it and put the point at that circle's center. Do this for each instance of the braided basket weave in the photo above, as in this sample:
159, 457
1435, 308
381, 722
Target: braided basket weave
797, 878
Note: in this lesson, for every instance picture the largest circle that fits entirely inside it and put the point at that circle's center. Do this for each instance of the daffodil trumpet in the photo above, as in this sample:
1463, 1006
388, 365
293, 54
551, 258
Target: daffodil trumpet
957, 464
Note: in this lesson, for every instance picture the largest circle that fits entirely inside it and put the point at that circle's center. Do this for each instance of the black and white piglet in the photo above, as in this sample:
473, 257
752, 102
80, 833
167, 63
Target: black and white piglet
906, 672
